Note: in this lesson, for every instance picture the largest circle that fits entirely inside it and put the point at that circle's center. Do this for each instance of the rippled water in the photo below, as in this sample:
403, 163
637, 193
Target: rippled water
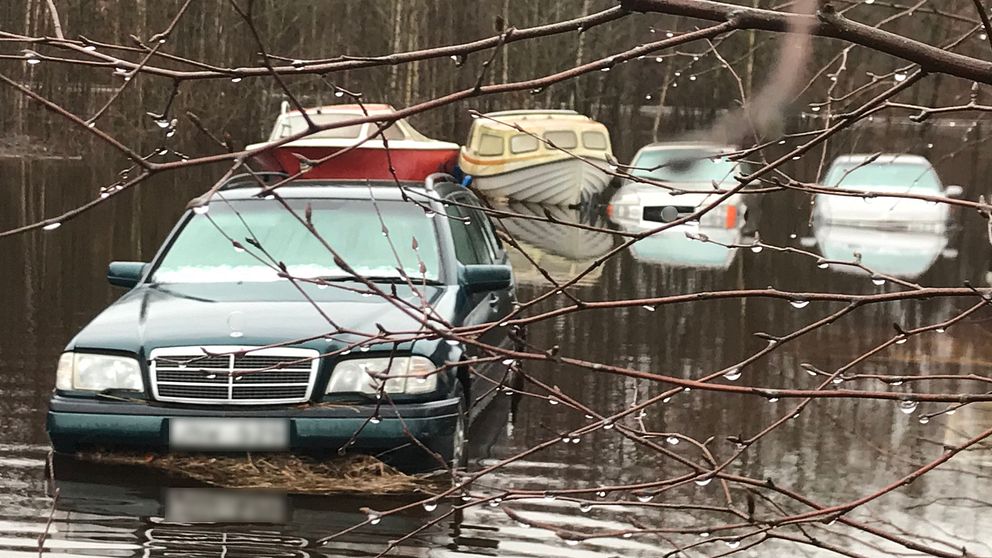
52, 283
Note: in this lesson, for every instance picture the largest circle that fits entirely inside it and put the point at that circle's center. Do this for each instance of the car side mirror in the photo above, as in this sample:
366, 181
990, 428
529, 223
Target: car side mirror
483, 277
125, 274
954, 191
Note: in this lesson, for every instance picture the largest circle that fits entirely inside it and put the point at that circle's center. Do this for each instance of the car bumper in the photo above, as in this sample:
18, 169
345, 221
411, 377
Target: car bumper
75, 423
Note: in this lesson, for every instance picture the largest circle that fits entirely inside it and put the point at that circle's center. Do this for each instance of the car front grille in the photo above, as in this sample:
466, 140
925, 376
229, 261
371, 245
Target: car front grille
653, 212
233, 375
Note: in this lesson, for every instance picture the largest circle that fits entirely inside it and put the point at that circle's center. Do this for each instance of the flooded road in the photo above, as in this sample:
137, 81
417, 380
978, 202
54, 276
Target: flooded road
52, 283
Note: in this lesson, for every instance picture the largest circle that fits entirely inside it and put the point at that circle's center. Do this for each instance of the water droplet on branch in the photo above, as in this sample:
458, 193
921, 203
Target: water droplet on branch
733, 374
908, 406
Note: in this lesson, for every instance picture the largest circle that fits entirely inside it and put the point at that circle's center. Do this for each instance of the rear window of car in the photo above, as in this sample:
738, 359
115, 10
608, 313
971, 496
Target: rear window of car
684, 166
883, 176
270, 236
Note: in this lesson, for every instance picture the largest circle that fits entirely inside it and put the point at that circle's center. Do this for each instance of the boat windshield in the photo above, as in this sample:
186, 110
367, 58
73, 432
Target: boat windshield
684, 166
883, 176
291, 124
269, 235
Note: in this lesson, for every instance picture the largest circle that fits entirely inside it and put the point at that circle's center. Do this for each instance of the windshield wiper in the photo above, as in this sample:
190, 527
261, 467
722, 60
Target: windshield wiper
380, 279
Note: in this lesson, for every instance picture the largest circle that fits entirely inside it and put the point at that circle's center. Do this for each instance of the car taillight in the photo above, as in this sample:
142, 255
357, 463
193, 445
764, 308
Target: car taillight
731, 219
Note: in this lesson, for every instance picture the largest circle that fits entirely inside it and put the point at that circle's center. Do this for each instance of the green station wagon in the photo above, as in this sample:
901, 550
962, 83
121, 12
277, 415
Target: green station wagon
247, 333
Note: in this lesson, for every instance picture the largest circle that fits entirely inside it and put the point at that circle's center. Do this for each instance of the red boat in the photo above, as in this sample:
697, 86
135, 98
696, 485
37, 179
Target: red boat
412, 154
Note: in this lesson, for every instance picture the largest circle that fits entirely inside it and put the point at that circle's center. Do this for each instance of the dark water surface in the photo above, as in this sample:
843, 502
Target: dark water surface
52, 283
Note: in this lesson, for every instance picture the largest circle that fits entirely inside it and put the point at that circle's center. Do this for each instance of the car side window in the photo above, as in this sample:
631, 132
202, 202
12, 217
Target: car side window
493, 245
466, 231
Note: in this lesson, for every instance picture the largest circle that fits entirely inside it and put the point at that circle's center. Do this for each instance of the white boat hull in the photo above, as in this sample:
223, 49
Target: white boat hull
562, 182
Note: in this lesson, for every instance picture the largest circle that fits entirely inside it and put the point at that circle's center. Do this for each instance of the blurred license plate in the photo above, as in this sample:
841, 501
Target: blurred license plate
216, 505
228, 434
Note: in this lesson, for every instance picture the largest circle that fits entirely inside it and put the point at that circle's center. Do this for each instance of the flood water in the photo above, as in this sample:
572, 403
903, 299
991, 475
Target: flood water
52, 283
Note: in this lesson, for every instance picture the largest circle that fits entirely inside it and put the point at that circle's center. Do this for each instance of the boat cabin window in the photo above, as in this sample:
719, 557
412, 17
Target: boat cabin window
564, 139
594, 140
294, 124
522, 143
490, 145
392, 133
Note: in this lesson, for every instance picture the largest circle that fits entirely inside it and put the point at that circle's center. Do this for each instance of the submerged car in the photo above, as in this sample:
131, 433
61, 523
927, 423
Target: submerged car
886, 177
690, 173
246, 333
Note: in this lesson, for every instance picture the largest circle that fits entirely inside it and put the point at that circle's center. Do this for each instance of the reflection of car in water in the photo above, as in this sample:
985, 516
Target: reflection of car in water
906, 254
692, 171
884, 174
561, 250
166, 516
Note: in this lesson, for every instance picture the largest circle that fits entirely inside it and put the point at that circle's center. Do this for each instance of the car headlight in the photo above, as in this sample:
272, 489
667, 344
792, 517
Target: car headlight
92, 372
624, 206
723, 216
411, 375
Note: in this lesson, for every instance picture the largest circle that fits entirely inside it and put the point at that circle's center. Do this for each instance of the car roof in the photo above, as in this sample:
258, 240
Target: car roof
883, 158
246, 187
673, 145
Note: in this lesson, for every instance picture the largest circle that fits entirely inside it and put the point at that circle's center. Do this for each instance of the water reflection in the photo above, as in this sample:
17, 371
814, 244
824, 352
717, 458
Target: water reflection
158, 520
561, 250
905, 254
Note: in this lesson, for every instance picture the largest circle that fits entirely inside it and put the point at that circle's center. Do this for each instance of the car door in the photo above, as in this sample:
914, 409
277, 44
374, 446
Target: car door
476, 243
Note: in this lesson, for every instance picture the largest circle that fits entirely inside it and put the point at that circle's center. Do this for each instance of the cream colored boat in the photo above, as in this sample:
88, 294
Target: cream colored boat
507, 163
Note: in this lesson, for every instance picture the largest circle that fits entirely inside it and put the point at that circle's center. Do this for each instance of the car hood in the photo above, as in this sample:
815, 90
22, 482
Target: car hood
692, 194
151, 316
866, 211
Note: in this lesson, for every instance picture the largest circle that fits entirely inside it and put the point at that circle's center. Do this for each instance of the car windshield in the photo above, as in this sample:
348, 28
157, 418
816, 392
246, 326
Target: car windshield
883, 176
268, 233
684, 165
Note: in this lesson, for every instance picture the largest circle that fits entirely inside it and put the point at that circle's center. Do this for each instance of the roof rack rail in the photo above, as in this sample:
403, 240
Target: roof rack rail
266, 177
437, 177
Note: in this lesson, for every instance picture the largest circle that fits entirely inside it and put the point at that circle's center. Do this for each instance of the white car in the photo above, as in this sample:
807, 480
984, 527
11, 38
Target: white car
694, 172
881, 175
